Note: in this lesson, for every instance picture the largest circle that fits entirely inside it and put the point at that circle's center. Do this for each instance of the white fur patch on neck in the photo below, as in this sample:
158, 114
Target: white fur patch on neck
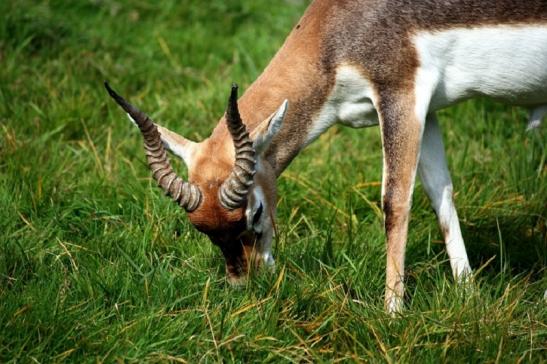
351, 103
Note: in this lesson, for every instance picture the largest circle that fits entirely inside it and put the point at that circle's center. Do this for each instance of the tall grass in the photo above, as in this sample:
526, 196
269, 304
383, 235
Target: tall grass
97, 265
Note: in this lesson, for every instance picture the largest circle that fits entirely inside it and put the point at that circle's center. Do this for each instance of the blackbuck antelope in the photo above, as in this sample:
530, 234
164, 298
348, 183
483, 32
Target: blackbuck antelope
358, 63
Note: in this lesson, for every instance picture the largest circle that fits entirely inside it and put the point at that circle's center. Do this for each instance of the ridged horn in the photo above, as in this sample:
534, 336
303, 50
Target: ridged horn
234, 190
187, 195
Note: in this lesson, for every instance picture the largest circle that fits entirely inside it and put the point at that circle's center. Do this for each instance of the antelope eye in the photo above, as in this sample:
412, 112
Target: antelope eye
257, 214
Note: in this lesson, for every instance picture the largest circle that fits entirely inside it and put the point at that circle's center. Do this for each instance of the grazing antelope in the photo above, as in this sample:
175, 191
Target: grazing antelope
359, 63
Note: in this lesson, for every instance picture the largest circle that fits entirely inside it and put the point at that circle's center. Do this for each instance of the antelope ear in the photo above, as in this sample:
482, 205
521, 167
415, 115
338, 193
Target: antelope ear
178, 145
264, 133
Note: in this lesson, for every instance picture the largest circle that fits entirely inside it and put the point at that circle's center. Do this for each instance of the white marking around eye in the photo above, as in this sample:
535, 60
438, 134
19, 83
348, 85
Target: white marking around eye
256, 199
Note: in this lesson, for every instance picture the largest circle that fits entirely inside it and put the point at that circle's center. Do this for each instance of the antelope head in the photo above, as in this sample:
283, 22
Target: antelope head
230, 194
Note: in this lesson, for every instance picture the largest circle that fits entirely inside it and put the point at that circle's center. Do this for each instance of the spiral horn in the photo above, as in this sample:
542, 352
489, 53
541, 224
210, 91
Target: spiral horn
187, 195
234, 190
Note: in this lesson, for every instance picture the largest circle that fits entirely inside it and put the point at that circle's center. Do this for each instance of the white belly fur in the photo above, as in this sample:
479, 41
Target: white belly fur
508, 63
503, 62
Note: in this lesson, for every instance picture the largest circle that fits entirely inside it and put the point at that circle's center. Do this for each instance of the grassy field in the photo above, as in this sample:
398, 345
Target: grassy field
96, 265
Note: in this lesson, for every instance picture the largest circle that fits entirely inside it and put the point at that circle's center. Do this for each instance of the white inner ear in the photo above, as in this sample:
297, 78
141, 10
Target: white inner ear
269, 128
178, 145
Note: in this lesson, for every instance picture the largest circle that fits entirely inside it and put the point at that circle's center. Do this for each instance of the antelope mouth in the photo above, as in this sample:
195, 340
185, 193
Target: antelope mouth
245, 259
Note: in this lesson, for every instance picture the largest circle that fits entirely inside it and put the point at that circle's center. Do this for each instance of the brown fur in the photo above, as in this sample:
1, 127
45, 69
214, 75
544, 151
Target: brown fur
401, 137
212, 169
375, 36
381, 40
306, 91
296, 74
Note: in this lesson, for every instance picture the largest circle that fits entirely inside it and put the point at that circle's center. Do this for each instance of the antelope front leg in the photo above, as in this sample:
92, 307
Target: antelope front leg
401, 138
436, 180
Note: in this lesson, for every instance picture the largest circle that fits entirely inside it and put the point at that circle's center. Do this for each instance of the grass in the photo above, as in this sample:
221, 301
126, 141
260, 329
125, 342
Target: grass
97, 266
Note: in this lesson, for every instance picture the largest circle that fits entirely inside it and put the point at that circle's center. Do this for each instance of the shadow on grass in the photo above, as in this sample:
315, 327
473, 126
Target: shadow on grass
516, 243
